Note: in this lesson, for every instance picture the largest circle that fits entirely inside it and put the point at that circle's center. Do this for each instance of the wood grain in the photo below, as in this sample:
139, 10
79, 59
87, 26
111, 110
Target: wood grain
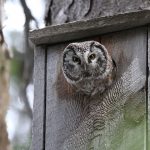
65, 108
39, 99
89, 28
112, 121
148, 90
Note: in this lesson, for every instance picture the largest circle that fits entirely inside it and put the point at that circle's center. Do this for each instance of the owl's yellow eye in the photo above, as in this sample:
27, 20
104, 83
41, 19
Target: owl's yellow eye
76, 59
92, 56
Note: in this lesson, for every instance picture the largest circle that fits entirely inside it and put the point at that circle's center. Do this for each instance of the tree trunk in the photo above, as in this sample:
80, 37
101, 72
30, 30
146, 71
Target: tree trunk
58, 12
4, 79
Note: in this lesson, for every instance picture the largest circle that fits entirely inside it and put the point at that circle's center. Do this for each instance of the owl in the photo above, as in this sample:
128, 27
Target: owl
88, 67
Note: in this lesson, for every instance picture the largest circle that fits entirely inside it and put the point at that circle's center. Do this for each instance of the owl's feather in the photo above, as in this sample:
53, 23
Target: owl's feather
88, 67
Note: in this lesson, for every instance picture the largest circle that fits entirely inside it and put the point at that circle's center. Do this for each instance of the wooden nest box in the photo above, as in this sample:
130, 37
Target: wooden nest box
64, 119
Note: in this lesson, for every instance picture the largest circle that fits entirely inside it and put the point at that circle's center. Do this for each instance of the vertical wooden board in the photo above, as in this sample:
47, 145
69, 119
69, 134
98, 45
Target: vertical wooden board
112, 121
64, 107
39, 99
125, 47
148, 121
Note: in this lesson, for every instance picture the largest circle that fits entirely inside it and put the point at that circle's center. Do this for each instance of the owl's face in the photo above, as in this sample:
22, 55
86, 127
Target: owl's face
86, 61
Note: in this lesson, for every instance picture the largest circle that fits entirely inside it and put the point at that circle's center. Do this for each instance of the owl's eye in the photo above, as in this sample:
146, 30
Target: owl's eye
92, 57
76, 59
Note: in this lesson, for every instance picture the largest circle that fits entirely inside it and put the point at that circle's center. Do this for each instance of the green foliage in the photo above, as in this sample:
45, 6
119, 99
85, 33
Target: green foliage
17, 65
24, 146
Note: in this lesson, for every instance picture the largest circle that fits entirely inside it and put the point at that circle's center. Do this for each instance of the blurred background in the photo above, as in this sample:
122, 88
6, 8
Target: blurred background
16, 55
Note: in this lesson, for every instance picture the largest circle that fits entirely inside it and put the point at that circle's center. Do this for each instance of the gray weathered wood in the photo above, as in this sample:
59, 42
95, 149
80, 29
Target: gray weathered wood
128, 47
59, 12
148, 90
39, 100
112, 121
83, 29
64, 107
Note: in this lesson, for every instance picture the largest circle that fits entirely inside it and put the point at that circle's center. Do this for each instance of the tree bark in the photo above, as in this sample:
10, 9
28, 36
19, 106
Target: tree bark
58, 12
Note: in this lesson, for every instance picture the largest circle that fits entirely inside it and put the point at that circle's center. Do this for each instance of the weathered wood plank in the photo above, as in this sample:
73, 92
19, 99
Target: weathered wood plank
148, 90
112, 121
64, 106
88, 28
39, 99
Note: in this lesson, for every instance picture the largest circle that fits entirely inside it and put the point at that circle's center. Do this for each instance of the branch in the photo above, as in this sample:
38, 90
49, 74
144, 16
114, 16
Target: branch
28, 57
29, 17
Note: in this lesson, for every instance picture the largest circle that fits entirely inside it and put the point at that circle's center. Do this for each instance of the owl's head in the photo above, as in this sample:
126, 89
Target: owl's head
86, 60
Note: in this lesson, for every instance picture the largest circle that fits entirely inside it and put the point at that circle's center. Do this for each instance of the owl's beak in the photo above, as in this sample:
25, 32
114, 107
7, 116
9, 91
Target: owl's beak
85, 67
